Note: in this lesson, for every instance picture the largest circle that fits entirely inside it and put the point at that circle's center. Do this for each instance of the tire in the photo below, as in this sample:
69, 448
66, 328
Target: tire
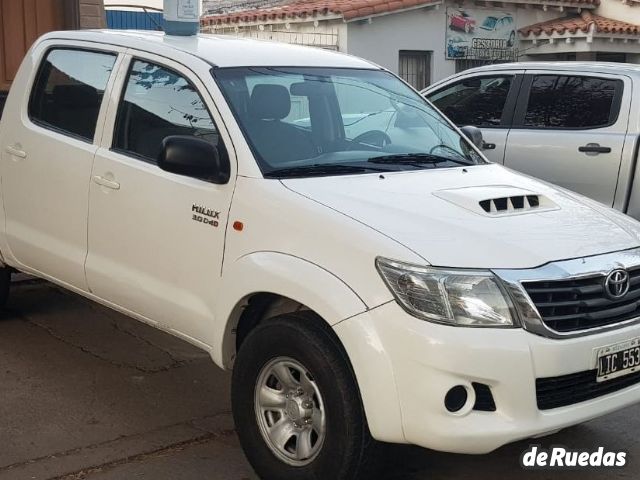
301, 344
5, 284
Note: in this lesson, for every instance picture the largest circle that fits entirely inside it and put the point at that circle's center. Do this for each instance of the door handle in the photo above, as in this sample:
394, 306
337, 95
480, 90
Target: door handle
594, 148
488, 146
16, 152
106, 183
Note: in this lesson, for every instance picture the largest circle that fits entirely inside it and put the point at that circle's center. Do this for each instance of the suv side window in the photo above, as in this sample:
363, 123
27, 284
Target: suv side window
68, 91
159, 102
477, 101
563, 101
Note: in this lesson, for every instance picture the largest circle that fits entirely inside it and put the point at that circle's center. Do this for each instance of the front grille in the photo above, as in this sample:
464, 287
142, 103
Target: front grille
555, 392
581, 303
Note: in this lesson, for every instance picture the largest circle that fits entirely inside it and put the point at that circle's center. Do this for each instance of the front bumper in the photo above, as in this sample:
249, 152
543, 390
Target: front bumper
405, 366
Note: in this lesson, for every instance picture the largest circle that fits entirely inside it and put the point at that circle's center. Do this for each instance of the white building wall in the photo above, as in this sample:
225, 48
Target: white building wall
382, 39
330, 34
423, 29
618, 10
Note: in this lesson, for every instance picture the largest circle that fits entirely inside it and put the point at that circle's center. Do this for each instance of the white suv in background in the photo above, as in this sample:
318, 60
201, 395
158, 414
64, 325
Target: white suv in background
318, 227
570, 123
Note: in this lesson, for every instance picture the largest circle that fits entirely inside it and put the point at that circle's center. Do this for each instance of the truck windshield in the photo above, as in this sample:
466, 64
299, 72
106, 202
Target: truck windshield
317, 121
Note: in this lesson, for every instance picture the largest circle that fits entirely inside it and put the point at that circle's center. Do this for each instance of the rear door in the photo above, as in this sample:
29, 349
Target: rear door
569, 129
47, 154
156, 238
484, 100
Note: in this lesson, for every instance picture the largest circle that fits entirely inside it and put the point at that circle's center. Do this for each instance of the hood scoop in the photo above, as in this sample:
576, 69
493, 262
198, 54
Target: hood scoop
497, 200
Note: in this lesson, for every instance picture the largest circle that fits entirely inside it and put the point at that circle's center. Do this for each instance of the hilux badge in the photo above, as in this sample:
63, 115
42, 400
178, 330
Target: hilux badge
205, 215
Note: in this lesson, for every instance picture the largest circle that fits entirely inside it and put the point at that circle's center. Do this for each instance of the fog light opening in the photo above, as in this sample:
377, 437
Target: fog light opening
456, 399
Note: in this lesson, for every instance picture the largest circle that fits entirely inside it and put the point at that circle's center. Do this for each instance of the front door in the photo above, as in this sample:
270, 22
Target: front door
570, 130
156, 239
47, 154
482, 100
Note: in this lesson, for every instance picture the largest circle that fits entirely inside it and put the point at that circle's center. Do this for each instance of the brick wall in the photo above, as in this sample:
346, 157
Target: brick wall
91, 13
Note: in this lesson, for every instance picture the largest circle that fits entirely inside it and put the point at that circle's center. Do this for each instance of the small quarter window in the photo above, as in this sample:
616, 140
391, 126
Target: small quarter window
68, 91
157, 103
563, 101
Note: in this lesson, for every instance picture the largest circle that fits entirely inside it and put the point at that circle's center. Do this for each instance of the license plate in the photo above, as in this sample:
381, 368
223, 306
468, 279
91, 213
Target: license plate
617, 360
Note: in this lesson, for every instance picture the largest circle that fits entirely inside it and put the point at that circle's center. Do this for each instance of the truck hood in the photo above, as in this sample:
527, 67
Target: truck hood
483, 216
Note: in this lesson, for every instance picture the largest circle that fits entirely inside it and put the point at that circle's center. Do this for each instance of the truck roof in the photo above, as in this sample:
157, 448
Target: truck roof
591, 67
219, 50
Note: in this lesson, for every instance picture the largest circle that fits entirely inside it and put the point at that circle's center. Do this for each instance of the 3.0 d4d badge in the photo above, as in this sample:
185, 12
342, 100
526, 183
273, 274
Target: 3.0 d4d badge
205, 215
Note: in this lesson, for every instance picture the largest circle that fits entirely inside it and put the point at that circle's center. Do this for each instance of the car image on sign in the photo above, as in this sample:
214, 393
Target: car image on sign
462, 21
501, 25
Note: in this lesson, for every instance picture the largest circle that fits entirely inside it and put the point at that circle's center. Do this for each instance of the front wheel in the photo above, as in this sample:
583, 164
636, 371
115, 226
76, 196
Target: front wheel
296, 404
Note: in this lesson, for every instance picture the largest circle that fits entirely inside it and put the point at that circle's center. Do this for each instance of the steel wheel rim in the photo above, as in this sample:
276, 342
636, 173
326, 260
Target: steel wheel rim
290, 411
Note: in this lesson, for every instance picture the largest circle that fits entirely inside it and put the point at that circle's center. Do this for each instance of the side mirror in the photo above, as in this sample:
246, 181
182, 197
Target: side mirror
194, 157
474, 134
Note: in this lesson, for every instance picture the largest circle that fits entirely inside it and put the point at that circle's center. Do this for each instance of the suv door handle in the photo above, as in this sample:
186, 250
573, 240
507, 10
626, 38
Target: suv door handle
106, 183
488, 146
11, 150
594, 148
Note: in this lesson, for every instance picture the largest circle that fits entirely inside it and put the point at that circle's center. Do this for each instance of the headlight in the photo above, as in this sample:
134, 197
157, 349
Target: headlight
455, 297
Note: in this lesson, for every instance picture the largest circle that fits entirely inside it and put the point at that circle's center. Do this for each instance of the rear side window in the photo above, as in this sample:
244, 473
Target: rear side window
68, 91
157, 103
477, 101
563, 101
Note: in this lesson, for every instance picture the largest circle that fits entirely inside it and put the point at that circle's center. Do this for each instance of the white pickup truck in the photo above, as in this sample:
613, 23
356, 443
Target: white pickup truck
574, 124
377, 284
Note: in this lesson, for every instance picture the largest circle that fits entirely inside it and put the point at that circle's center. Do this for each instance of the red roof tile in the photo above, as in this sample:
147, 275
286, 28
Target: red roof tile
347, 9
581, 23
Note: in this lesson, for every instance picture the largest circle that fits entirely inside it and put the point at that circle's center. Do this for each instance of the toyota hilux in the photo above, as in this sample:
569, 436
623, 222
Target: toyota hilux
321, 230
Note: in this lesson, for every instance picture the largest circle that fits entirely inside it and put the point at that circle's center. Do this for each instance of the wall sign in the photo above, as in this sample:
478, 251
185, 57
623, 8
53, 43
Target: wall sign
480, 34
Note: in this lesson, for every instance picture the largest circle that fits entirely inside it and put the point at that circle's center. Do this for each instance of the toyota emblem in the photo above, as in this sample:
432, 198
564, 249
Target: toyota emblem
616, 285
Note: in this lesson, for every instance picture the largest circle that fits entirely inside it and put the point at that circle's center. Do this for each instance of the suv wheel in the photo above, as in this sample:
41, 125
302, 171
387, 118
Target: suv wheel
296, 404
5, 284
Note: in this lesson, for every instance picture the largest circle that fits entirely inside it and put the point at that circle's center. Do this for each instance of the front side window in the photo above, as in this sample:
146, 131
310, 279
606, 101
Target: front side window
68, 91
477, 101
319, 121
563, 101
159, 102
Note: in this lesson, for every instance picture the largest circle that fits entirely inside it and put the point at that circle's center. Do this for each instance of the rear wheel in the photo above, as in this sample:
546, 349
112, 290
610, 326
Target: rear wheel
5, 284
296, 404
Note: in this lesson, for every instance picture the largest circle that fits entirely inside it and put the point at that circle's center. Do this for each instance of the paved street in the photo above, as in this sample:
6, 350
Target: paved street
86, 393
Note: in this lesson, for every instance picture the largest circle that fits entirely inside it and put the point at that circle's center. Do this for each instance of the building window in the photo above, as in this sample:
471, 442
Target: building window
611, 57
415, 68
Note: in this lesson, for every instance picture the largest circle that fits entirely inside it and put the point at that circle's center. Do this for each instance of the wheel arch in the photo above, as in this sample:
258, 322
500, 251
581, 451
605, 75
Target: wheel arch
265, 284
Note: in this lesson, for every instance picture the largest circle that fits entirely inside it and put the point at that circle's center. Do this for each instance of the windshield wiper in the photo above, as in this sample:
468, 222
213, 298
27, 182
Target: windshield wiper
319, 169
416, 159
